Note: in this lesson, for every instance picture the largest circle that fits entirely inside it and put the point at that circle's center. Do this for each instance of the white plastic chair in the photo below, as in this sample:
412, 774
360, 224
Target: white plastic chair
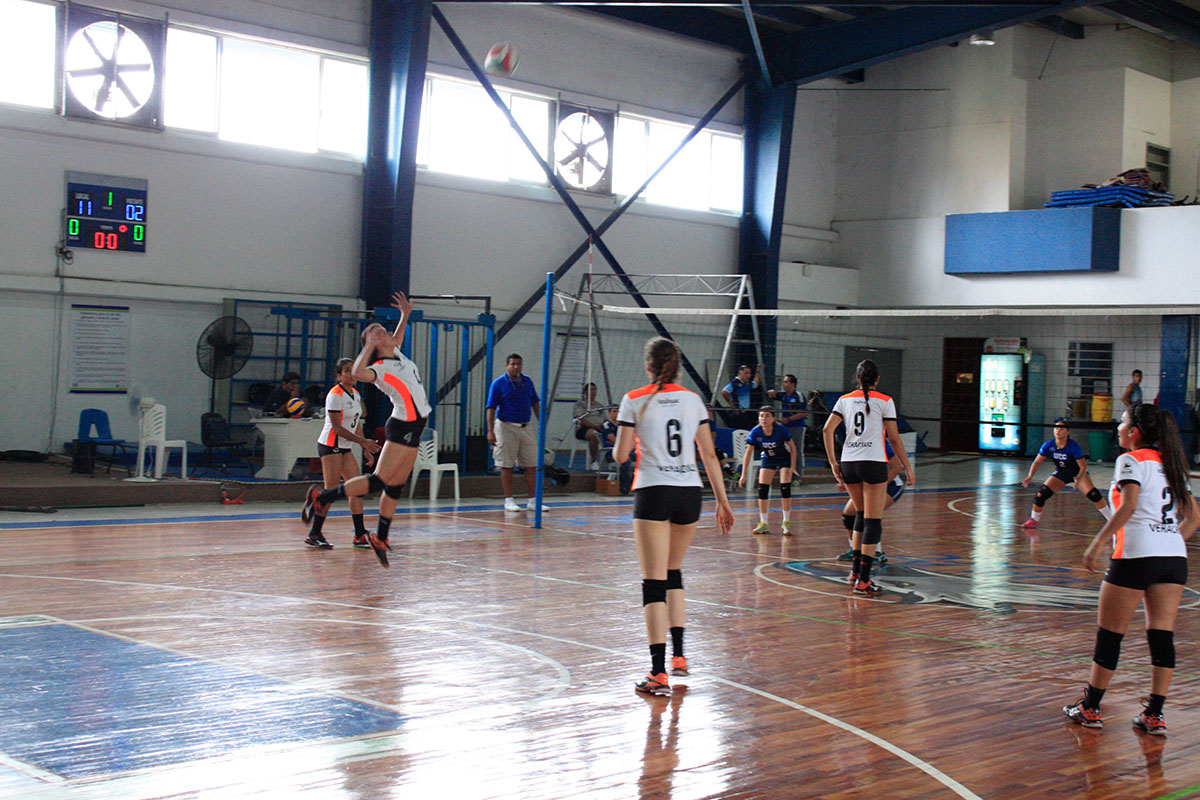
153, 435
427, 459
739, 452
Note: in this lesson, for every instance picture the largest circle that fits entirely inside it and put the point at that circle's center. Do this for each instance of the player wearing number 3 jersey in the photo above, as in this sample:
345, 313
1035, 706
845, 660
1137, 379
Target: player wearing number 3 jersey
667, 424
870, 416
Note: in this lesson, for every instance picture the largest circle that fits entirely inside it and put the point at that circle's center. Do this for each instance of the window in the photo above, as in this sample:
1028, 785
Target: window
27, 48
705, 175
190, 89
269, 95
463, 133
1091, 362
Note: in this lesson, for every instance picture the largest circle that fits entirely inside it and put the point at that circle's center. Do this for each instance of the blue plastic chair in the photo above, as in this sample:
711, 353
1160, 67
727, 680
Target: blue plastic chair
97, 418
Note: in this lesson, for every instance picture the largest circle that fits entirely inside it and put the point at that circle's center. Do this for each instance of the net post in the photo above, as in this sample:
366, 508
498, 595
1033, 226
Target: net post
543, 417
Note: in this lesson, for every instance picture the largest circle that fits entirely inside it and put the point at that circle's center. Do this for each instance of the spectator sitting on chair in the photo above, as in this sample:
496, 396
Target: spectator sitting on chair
512, 417
589, 423
289, 387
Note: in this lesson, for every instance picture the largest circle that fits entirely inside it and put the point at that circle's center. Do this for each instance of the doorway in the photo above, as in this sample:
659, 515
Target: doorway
889, 362
960, 393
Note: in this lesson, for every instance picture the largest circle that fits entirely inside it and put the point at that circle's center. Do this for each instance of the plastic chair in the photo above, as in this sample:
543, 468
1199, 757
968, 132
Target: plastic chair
97, 418
427, 459
214, 435
153, 435
739, 452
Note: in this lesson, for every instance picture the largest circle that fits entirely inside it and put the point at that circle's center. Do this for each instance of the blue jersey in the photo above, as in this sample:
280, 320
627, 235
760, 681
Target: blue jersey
774, 447
791, 402
1065, 459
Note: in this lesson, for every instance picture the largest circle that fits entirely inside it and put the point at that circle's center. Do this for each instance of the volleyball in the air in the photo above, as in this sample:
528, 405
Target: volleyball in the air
501, 59
295, 406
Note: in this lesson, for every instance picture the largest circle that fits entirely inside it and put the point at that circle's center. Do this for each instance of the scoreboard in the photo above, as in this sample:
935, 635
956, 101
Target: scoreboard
106, 212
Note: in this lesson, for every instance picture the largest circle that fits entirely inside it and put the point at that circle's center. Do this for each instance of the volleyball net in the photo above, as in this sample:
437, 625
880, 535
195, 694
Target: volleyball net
951, 370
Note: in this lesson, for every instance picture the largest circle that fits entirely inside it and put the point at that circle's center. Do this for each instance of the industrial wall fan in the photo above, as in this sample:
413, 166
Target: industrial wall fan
223, 349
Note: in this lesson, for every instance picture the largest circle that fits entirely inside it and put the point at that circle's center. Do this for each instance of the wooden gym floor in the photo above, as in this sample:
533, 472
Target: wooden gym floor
203, 652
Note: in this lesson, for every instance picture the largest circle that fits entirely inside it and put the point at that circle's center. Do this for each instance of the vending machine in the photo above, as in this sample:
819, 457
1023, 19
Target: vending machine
1001, 397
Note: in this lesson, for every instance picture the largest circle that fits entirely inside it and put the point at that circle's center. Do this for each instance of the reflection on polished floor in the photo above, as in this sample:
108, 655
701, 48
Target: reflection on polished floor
202, 651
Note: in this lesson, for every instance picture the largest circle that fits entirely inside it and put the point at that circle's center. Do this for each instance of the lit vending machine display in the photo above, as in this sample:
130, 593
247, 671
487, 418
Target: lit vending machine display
1000, 391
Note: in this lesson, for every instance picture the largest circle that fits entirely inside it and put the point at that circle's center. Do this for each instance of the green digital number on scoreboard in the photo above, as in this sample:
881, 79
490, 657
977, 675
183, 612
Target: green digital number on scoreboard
106, 212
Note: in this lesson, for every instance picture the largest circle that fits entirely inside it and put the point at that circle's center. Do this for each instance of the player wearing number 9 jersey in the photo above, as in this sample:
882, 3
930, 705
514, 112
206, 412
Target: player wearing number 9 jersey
1154, 512
667, 423
870, 416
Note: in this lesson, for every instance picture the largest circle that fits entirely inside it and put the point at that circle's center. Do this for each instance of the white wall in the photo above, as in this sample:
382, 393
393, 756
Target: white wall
1185, 138
1147, 118
235, 221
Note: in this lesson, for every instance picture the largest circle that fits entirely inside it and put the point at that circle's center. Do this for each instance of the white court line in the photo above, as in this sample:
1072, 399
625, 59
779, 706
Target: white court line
30, 770
924, 766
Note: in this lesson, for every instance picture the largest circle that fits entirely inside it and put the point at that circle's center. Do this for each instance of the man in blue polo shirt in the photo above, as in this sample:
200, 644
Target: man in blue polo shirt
737, 394
793, 409
512, 416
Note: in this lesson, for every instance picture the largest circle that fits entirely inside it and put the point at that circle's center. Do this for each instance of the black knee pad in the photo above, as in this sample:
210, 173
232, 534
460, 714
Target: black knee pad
654, 592
674, 579
1043, 494
1162, 647
848, 521
1108, 648
858, 521
785, 490
375, 484
1094, 495
872, 531
394, 492
764, 491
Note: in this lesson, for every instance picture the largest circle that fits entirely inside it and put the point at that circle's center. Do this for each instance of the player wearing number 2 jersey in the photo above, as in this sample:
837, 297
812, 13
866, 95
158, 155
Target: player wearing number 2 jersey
666, 423
870, 417
1154, 512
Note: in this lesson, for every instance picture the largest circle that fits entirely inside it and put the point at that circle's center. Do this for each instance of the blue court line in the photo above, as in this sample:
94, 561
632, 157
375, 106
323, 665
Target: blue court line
283, 515
81, 704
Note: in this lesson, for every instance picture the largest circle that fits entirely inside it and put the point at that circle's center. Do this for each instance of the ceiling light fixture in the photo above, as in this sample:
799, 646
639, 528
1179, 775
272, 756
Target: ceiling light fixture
982, 39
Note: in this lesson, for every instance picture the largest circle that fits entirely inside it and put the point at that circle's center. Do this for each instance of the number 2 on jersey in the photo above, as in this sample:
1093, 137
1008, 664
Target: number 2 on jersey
674, 439
1166, 509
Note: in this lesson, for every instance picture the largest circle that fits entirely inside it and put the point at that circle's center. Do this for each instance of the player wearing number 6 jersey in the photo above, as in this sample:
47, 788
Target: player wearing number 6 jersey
666, 423
870, 417
1154, 512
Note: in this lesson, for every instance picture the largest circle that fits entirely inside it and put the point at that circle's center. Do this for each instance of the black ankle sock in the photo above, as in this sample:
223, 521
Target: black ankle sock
1092, 697
658, 658
1154, 707
327, 496
864, 569
317, 522
857, 564
677, 641
385, 525
359, 528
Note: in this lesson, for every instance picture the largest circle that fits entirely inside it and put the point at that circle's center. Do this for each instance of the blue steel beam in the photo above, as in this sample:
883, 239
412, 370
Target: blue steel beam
764, 69
767, 147
562, 191
830, 50
1175, 21
399, 46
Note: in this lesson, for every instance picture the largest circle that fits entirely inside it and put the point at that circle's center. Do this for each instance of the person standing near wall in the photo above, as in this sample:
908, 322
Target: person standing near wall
512, 417
737, 394
343, 426
794, 410
1133, 392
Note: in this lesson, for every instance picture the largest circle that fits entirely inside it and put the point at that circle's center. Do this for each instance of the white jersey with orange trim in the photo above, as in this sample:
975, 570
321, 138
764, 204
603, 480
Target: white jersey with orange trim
398, 378
665, 423
347, 402
865, 432
1153, 530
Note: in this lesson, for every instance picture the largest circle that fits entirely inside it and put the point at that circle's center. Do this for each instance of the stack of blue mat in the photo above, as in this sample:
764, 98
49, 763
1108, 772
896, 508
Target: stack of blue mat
1118, 196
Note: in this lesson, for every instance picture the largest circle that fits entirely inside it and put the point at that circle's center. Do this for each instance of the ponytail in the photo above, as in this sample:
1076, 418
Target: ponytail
1160, 431
662, 359
867, 375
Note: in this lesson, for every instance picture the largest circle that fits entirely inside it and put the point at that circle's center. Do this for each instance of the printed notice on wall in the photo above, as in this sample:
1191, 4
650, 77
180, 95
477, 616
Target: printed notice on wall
99, 349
